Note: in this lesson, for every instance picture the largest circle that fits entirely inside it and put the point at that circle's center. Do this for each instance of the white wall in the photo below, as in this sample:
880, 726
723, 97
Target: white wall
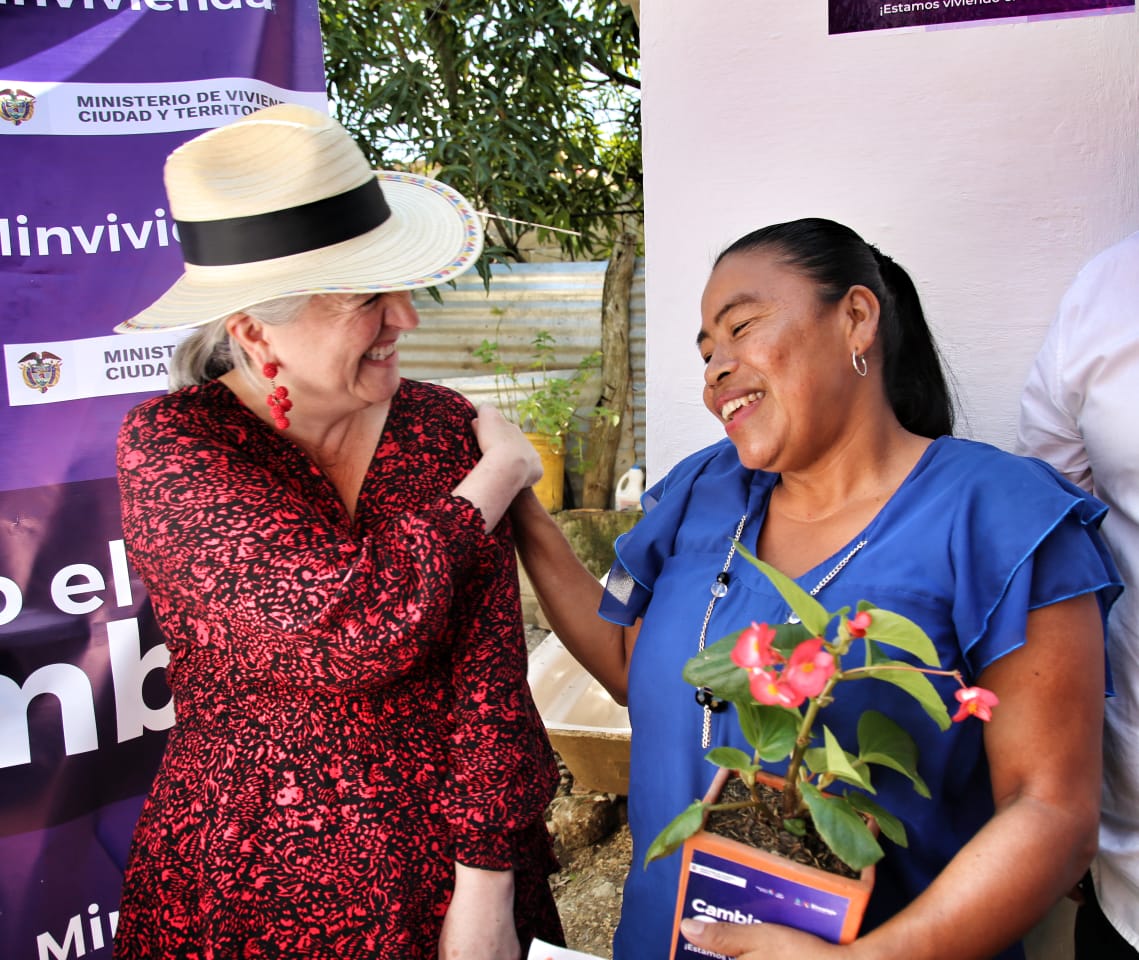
990, 161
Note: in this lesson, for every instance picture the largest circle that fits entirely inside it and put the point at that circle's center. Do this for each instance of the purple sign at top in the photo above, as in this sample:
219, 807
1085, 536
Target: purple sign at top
111, 41
854, 16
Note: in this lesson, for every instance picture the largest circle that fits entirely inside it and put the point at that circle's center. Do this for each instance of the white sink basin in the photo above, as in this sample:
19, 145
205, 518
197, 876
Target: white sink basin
587, 727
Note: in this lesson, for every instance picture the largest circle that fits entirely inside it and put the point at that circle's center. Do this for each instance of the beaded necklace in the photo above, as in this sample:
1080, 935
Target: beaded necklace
719, 588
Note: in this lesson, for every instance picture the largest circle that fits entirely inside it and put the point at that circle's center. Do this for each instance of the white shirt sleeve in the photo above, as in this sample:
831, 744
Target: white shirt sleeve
1049, 407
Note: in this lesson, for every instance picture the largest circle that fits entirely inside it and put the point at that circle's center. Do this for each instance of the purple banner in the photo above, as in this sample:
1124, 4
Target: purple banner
93, 95
855, 16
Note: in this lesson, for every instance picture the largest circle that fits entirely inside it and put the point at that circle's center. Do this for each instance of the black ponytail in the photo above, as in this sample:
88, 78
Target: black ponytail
912, 369
836, 259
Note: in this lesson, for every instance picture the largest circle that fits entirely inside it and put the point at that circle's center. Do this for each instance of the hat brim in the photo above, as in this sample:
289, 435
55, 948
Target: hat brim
433, 235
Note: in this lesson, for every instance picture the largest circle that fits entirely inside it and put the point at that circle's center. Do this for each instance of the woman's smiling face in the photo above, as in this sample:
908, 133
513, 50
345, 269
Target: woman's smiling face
777, 366
343, 346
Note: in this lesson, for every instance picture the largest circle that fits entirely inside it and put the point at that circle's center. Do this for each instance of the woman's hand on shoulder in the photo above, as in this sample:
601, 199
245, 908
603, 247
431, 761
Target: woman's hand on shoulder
505, 444
509, 464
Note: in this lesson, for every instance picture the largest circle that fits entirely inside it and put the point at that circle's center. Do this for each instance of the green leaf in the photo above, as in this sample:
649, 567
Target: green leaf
731, 758
815, 759
770, 730
882, 741
713, 668
890, 825
897, 631
680, 829
795, 825
842, 829
838, 763
813, 614
908, 678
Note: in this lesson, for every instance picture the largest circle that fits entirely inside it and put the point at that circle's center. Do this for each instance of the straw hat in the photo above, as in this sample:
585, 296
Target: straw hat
283, 202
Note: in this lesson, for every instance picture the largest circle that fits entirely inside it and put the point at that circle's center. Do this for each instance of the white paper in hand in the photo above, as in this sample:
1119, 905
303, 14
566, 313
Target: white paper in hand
540, 950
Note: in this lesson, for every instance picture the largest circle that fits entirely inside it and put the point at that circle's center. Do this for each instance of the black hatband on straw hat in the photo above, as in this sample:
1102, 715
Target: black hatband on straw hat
282, 233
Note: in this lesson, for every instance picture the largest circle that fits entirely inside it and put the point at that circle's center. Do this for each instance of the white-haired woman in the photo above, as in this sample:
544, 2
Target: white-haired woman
358, 769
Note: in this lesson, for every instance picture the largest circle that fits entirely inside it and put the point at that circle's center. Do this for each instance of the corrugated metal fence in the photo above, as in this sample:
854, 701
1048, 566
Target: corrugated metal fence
561, 298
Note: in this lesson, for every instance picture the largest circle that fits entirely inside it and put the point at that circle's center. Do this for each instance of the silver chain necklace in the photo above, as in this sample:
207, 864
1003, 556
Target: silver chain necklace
719, 588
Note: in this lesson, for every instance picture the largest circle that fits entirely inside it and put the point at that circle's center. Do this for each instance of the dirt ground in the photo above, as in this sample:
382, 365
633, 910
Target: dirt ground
588, 892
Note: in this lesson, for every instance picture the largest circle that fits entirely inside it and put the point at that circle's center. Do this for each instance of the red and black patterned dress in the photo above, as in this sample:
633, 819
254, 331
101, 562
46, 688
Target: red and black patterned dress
353, 711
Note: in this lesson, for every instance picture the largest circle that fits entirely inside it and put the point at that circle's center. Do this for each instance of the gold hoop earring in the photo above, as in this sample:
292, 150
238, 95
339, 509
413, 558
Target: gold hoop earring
858, 362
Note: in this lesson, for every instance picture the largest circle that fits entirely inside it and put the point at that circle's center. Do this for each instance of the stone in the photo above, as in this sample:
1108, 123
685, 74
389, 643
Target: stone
591, 533
581, 820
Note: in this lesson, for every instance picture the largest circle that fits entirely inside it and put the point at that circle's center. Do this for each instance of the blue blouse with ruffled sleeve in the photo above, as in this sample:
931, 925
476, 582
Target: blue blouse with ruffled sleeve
968, 544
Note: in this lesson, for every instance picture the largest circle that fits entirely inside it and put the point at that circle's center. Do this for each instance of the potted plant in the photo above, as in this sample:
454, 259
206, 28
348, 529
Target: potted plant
545, 402
780, 679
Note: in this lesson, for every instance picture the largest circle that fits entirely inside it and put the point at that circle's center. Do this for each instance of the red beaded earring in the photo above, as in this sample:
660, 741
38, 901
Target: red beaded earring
278, 400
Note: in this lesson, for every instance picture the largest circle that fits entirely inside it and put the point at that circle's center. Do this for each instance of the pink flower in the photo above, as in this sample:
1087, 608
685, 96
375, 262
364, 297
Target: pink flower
753, 649
859, 624
809, 669
768, 688
975, 702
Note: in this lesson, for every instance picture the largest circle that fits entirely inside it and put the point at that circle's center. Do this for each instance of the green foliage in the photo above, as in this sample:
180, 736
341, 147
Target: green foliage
777, 731
842, 828
771, 731
530, 108
540, 402
878, 666
897, 631
733, 759
813, 614
679, 829
882, 741
712, 667
890, 825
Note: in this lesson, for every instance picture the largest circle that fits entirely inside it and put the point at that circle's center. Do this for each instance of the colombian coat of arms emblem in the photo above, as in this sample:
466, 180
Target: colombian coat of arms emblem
16, 106
41, 370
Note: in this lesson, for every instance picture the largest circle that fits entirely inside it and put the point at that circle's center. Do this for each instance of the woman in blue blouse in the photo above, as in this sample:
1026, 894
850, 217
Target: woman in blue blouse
839, 469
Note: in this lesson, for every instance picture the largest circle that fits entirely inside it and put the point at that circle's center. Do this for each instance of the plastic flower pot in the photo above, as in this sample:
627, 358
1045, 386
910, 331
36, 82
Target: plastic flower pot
550, 490
724, 880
